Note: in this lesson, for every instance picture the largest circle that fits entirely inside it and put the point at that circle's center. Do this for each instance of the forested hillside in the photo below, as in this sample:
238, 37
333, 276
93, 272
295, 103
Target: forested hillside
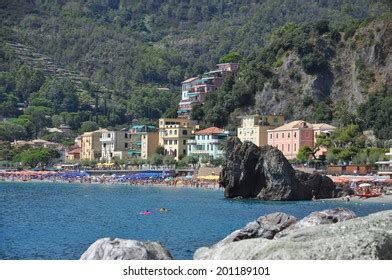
112, 61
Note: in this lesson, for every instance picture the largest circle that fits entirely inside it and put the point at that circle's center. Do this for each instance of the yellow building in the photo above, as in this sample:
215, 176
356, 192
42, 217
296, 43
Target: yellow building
144, 140
91, 145
254, 128
173, 136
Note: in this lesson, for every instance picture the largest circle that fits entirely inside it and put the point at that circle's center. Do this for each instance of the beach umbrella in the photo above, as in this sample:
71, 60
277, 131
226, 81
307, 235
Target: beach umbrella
364, 185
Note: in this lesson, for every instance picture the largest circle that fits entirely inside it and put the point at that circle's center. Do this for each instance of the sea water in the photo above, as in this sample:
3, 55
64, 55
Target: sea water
60, 221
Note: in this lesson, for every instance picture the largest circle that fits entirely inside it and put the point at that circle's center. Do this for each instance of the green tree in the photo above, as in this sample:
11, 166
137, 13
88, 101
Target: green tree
303, 153
11, 132
169, 160
40, 117
35, 157
88, 126
230, 57
157, 159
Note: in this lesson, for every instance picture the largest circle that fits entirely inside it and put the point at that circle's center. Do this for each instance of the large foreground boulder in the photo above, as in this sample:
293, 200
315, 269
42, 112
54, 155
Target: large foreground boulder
123, 249
263, 172
360, 238
328, 216
264, 227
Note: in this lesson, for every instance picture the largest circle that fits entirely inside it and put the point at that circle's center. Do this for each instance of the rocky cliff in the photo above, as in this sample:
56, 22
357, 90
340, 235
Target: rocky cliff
264, 173
357, 64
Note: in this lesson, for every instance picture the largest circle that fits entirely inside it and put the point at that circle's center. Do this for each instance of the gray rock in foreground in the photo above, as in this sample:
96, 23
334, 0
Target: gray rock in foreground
123, 249
264, 227
329, 216
361, 238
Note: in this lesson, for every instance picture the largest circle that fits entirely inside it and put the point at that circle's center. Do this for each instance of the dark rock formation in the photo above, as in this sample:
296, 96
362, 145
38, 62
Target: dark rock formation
123, 249
264, 227
263, 172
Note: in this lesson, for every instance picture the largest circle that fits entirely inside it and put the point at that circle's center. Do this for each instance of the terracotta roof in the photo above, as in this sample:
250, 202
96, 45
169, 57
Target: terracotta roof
209, 131
75, 151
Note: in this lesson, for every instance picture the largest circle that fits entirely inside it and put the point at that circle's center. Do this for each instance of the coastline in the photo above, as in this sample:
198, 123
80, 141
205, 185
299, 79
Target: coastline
355, 199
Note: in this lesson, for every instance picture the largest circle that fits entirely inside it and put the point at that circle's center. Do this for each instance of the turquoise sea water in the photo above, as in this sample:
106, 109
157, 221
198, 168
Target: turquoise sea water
60, 221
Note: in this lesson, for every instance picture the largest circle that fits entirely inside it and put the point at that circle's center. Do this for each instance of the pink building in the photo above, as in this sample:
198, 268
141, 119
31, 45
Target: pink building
195, 89
289, 138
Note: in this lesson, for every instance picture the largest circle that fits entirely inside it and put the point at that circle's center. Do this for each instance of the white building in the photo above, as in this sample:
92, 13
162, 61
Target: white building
114, 144
385, 167
208, 143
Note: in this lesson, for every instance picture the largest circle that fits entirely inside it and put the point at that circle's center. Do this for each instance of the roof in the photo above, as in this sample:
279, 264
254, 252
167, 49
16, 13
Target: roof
323, 126
209, 131
190, 80
293, 125
75, 151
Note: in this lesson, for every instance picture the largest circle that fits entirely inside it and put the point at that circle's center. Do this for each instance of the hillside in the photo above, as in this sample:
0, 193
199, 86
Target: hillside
314, 72
121, 60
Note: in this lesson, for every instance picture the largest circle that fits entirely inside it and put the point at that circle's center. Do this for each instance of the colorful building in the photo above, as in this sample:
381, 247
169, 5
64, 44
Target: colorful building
91, 147
114, 144
195, 89
143, 141
173, 135
385, 167
208, 143
289, 138
254, 128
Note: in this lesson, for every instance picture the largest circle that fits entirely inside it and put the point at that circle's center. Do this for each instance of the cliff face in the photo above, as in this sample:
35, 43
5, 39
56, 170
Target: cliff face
358, 66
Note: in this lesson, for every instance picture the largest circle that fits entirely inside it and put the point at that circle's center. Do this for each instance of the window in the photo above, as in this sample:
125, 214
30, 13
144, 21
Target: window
104, 145
170, 142
175, 142
270, 135
125, 145
126, 135
282, 148
295, 147
288, 134
282, 135
295, 134
288, 147
108, 135
185, 132
165, 142
175, 132
275, 120
277, 136
184, 142
170, 132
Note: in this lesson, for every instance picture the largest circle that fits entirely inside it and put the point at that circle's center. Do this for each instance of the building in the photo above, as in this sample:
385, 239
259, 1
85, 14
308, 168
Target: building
173, 135
289, 138
91, 146
207, 143
143, 141
114, 144
321, 128
385, 167
195, 89
73, 154
254, 128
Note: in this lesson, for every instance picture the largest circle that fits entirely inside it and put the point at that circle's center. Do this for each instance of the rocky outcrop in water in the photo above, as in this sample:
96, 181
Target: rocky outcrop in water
122, 249
360, 238
263, 172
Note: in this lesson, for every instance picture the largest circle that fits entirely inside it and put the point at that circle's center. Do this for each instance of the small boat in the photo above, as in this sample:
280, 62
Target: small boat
368, 195
146, 212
